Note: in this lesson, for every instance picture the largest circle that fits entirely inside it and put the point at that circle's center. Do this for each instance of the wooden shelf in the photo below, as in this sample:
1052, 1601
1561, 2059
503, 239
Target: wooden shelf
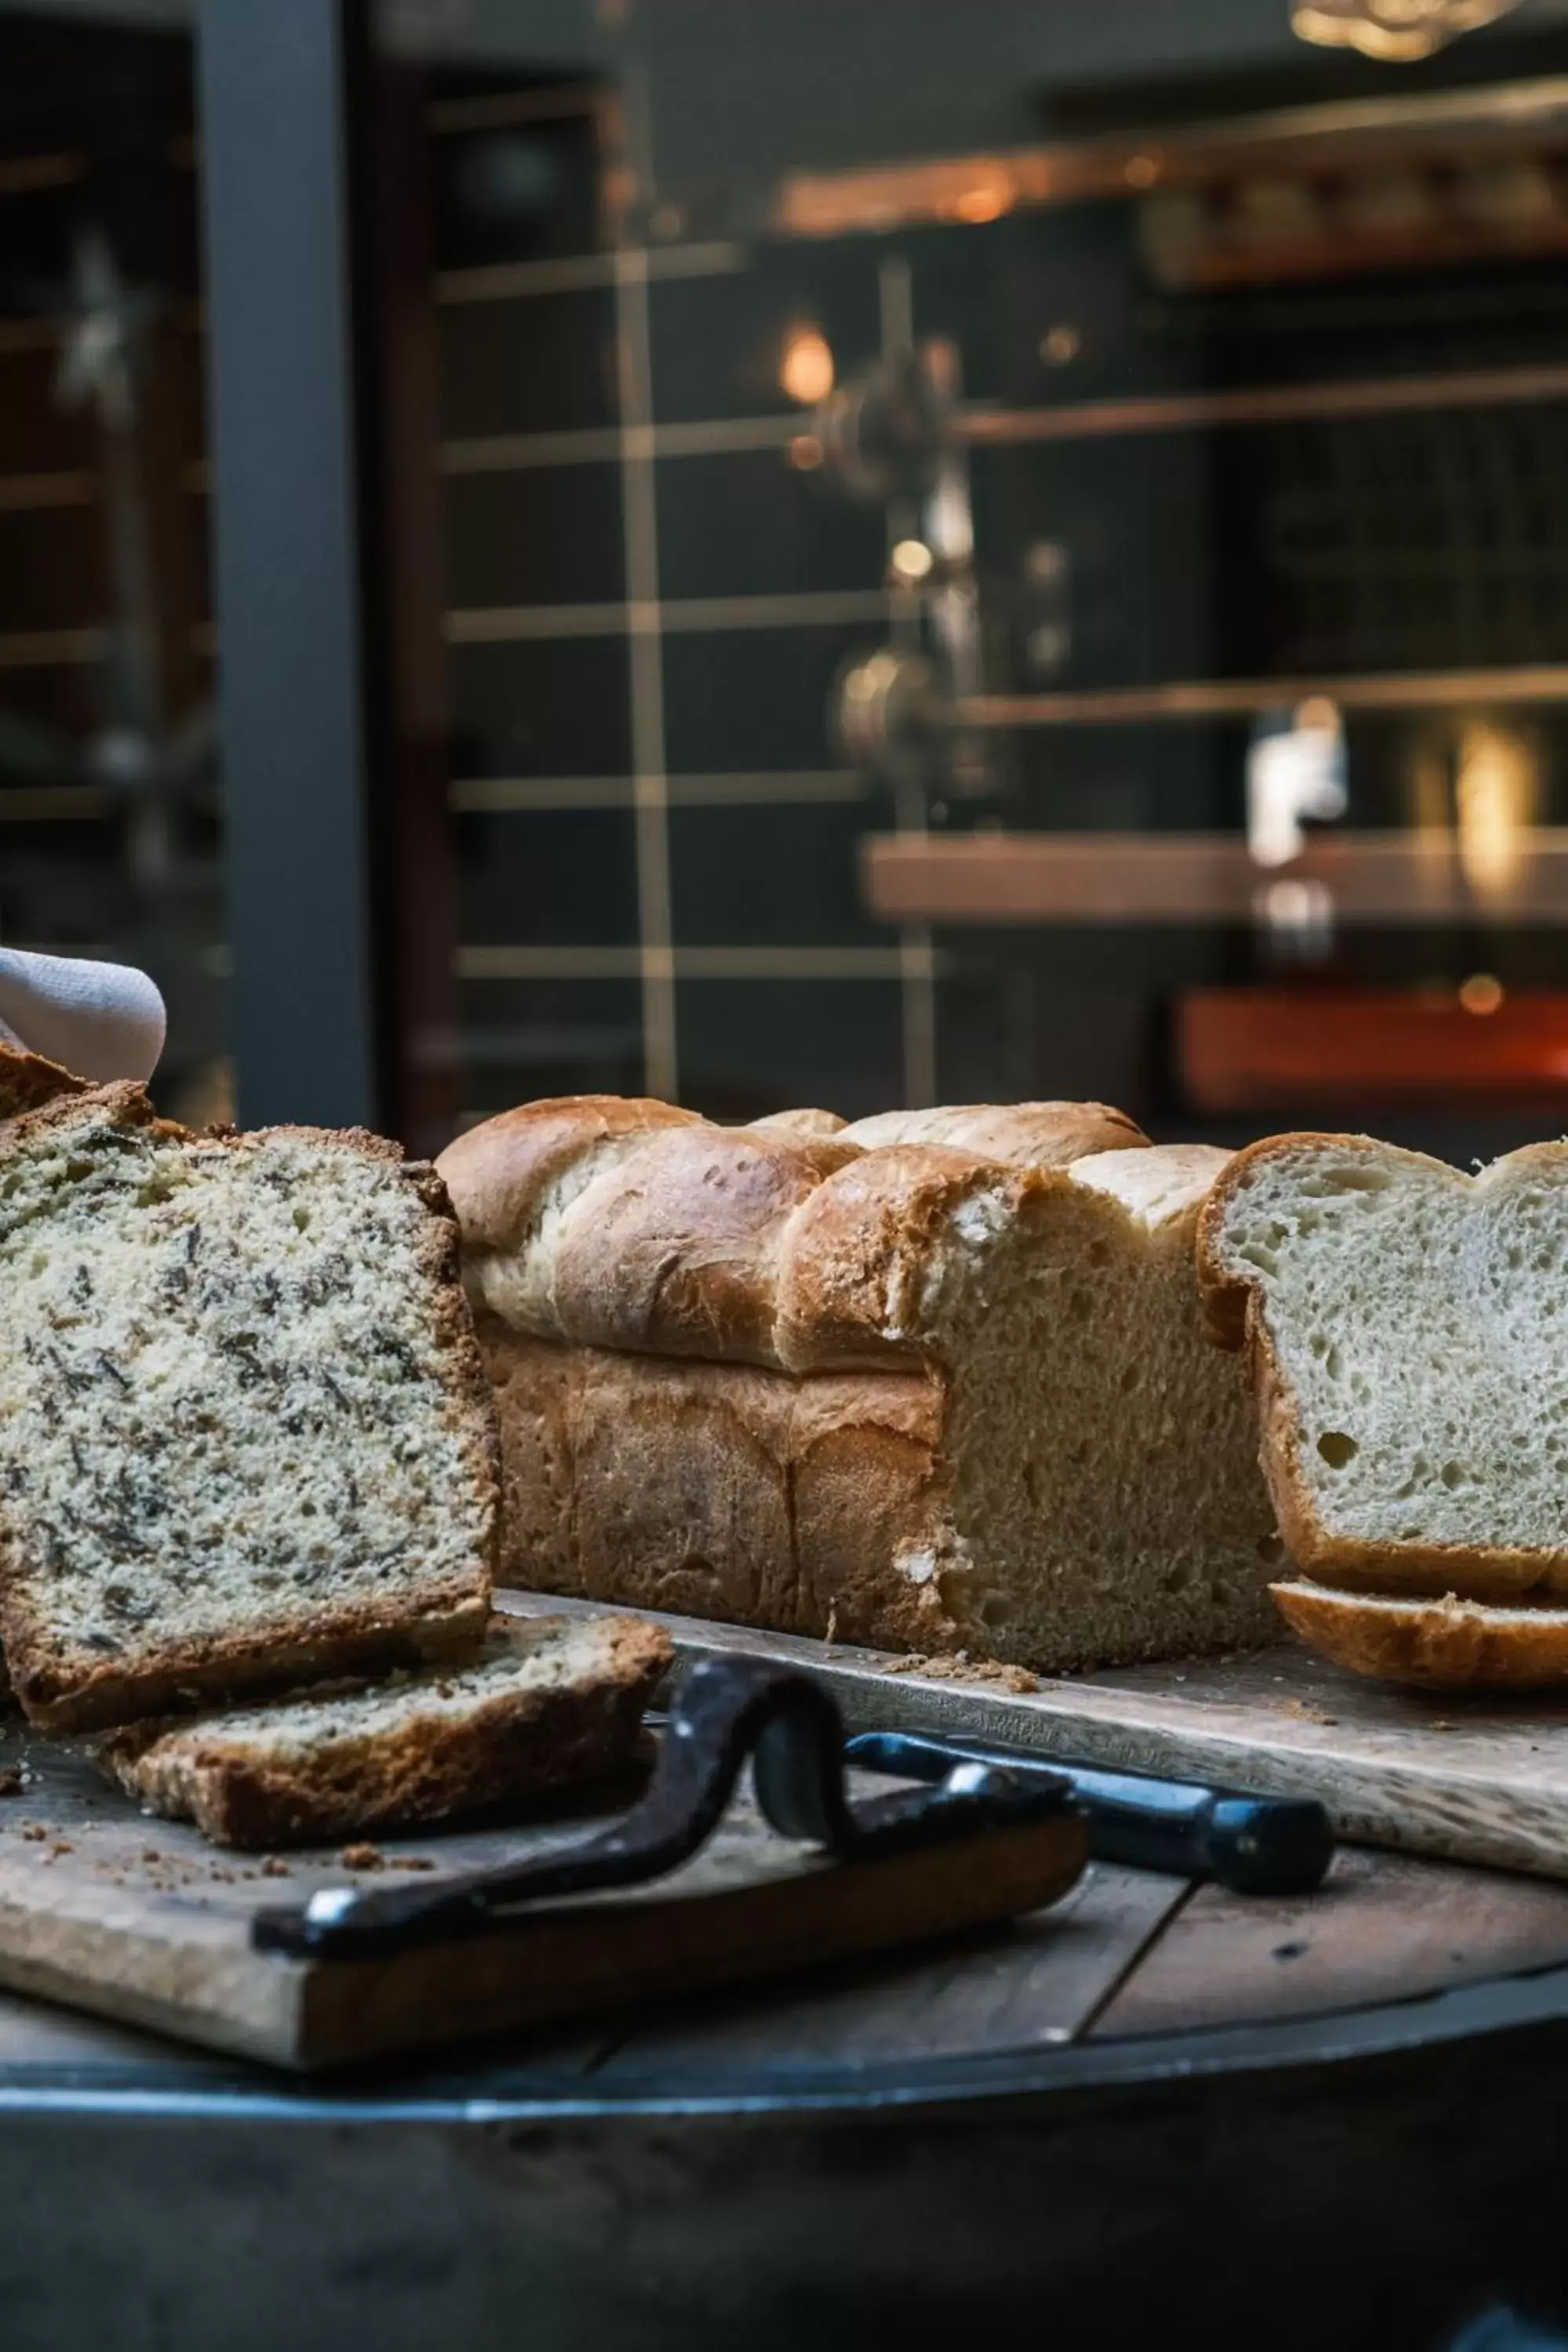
1370, 878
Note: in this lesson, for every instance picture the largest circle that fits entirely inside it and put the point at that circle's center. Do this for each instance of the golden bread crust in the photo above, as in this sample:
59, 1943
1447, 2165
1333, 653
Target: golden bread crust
1436, 1645
1021, 1135
723, 1490
631, 1224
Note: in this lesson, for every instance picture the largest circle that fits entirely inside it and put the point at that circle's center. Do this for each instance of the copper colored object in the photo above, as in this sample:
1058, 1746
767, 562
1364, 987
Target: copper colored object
1266, 1049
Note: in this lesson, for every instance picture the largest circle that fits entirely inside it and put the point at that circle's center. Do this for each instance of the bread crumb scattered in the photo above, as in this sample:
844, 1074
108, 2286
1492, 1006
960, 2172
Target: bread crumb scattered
274, 1866
1304, 1711
1439, 1723
962, 1668
363, 1856
34, 1832
411, 1862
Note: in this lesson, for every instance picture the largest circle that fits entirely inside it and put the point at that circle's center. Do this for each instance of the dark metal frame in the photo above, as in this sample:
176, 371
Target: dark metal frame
285, 298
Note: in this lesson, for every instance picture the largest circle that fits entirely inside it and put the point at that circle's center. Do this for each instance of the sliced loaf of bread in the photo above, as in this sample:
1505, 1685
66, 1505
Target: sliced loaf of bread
1407, 1328
938, 1383
244, 1432
549, 1702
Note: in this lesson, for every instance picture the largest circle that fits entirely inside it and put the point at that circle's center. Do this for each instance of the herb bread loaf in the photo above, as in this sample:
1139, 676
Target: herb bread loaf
244, 1432
549, 1702
922, 1394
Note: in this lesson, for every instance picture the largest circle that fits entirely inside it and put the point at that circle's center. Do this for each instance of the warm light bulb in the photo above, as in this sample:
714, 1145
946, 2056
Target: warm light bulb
805, 371
1496, 787
1481, 992
911, 561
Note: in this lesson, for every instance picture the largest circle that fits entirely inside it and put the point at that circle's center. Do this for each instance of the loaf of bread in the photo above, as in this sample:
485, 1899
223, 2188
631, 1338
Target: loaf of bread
244, 1432
938, 1394
547, 1703
1407, 1332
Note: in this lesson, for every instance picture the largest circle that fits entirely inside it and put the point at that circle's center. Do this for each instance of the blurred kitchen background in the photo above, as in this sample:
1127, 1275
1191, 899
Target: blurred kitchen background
910, 552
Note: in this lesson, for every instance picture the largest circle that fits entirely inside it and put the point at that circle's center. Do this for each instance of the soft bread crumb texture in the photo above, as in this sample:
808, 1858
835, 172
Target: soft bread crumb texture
1031, 1452
1410, 1329
1105, 1501
240, 1410
549, 1701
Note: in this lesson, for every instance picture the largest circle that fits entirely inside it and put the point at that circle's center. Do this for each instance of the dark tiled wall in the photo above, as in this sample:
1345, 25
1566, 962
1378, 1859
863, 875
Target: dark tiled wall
1243, 550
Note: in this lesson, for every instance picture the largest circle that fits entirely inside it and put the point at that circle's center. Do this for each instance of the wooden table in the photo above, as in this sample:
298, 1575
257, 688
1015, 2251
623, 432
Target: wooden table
1157, 2100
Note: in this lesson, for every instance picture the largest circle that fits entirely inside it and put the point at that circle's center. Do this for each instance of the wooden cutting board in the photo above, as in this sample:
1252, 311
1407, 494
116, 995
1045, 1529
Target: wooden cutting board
140, 1920
1466, 1778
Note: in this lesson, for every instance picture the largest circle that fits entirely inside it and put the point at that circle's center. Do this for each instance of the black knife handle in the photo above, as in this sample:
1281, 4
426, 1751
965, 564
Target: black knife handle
1256, 1845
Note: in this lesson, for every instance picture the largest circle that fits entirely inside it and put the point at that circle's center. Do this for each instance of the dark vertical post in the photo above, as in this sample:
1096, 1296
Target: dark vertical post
277, 86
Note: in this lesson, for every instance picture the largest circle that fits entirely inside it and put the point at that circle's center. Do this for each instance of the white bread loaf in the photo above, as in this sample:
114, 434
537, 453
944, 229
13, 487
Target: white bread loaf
1409, 1338
923, 1396
1408, 1332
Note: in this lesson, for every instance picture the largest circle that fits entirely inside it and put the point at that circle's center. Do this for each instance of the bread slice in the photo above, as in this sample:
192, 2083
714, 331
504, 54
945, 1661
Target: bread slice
244, 1432
548, 1702
1446, 1644
1408, 1331
903, 1393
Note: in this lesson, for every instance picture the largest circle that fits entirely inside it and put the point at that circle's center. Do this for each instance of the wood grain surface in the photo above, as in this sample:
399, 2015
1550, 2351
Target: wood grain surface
143, 1922
1478, 1779
1382, 1927
1037, 1985
104, 1908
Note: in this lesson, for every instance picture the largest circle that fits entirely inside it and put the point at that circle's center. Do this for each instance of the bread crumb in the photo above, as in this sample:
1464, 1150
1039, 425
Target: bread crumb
411, 1862
361, 1857
1439, 1723
36, 1832
61, 1845
274, 1866
1304, 1711
962, 1668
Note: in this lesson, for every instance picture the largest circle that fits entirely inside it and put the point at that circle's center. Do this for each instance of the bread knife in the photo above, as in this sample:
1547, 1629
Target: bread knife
1255, 1845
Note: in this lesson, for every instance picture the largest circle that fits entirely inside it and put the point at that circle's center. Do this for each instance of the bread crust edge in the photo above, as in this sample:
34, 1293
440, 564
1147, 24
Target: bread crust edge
514, 1745
1427, 1643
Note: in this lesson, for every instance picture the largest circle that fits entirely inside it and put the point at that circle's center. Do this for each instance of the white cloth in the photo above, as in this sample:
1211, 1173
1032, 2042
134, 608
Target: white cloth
101, 1020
